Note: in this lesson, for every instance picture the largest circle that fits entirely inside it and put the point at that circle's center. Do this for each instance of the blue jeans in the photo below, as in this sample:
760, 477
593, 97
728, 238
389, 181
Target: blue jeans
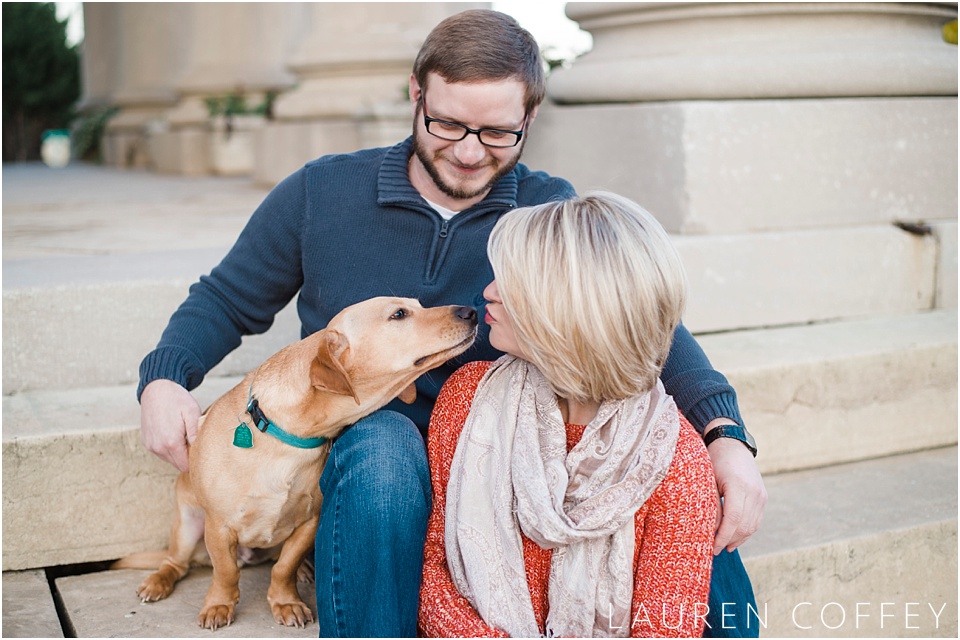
731, 600
373, 523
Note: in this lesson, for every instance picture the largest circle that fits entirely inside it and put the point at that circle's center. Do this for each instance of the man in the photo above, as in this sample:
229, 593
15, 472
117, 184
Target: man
412, 220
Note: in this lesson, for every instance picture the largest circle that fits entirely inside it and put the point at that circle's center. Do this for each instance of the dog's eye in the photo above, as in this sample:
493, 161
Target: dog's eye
399, 314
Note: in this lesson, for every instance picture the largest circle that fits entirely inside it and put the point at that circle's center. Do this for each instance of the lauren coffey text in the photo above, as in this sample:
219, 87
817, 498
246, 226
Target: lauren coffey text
810, 616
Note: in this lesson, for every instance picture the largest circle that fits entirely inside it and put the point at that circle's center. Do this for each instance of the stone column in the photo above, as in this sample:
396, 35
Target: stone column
655, 51
98, 74
231, 49
149, 58
763, 134
352, 71
100, 54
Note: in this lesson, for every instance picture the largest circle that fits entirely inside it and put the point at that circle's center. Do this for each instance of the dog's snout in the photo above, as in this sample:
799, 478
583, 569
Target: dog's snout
466, 313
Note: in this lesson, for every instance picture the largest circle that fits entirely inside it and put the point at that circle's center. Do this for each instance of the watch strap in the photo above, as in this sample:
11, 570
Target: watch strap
735, 432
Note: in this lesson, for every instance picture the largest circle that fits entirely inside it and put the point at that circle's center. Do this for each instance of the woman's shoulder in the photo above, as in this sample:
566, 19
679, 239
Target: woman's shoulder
691, 467
690, 447
471, 372
454, 400
463, 381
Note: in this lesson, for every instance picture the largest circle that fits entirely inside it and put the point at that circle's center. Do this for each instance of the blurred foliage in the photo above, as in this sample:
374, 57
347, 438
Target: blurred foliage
41, 77
950, 32
553, 58
88, 131
235, 104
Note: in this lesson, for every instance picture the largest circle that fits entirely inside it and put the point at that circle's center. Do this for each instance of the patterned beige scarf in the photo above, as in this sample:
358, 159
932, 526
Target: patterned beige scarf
511, 472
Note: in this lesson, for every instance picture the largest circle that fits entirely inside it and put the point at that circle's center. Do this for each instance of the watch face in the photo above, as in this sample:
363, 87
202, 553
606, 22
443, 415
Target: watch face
749, 441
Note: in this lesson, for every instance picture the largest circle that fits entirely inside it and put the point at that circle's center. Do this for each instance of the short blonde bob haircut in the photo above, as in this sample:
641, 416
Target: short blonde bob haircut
594, 288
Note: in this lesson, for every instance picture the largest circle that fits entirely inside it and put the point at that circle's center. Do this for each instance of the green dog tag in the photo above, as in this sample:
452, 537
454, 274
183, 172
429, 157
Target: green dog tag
242, 437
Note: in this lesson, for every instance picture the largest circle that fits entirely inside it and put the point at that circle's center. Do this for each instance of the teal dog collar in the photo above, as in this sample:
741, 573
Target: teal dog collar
244, 439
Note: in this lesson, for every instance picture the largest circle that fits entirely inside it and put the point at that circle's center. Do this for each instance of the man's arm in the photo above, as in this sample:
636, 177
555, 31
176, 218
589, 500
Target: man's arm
708, 401
740, 485
241, 296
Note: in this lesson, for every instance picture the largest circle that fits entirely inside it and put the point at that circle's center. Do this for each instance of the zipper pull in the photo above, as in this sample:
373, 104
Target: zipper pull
443, 228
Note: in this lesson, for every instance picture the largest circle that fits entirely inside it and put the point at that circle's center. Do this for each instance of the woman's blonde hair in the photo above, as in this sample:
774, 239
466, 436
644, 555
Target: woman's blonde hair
595, 290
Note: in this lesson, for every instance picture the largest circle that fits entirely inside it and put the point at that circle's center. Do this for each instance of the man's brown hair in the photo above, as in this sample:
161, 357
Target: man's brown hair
480, 45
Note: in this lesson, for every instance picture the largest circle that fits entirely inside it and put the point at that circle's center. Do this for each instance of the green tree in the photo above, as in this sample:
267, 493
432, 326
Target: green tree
41, 77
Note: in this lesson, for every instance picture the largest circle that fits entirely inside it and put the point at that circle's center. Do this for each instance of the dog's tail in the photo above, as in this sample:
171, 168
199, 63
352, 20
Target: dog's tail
142, 560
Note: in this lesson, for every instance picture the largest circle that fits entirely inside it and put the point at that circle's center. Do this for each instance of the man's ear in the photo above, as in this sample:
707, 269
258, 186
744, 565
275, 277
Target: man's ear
414, 92
326, 370
533, 114
409, 394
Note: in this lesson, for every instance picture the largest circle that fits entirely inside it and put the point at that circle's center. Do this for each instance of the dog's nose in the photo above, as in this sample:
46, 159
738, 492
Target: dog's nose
466, 313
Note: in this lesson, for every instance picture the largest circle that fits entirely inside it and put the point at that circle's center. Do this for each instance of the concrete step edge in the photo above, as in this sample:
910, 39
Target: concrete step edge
813, 507
826, 393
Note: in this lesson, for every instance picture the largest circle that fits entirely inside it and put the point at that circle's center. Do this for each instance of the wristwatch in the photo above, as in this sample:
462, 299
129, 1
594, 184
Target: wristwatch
732, 431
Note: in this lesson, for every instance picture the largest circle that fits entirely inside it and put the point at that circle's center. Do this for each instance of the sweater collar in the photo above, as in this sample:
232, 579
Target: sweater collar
394, 186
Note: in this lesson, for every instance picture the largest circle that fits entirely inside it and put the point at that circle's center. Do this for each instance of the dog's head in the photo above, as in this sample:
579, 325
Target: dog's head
374, 350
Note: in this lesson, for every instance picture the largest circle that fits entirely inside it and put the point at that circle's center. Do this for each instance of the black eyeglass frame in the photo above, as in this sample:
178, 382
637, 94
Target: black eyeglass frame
467, 130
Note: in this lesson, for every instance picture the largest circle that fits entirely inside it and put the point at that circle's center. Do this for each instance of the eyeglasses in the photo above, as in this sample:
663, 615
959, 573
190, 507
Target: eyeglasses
454, 131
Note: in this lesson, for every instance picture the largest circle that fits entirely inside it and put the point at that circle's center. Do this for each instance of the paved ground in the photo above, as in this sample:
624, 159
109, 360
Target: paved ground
106, 605
91, 210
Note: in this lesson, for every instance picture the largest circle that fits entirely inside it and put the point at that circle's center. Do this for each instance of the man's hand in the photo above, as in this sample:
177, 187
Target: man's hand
741, 487
168, 421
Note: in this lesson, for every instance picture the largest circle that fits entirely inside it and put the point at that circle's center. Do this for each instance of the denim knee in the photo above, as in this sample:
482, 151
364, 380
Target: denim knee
381, 463
373, 521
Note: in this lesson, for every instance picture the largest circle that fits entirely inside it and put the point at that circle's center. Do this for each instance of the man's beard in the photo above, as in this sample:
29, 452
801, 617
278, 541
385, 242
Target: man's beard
453, 191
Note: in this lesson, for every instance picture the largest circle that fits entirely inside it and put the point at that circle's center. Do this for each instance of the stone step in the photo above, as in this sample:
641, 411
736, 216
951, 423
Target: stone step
753, 280
28, 607
860, 549
832, 392
108, 311
853, 550
813, 395
105, 604
75, 456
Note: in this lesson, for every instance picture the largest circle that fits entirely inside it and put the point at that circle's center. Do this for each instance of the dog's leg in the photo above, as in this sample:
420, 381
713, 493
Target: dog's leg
224, 593
185, 535
288, 609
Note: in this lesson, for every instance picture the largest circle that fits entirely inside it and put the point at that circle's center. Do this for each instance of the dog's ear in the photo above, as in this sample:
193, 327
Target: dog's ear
326, 370
409, 394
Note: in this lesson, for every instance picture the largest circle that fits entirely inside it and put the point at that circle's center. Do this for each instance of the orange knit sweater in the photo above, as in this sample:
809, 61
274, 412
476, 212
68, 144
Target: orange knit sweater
673, 554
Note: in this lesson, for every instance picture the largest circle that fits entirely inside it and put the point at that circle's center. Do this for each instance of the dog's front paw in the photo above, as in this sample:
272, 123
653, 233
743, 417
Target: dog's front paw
215, 616
292, 614
155, 587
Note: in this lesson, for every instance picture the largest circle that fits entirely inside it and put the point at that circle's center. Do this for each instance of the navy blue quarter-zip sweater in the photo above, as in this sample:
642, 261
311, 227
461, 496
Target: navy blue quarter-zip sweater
349, 227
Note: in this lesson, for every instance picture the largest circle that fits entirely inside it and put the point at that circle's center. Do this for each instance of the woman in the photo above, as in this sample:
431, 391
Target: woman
571, 498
